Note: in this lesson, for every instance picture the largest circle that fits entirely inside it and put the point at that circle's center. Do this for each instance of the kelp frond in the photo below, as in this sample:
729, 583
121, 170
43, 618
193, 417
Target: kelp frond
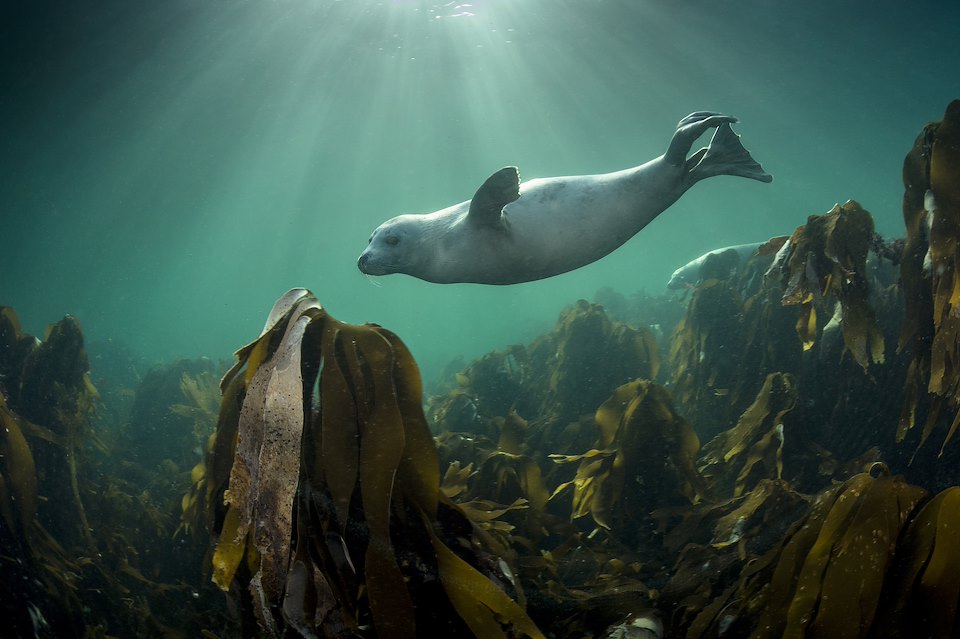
753, 449
826, 258
360, 478
643, 460
930, 272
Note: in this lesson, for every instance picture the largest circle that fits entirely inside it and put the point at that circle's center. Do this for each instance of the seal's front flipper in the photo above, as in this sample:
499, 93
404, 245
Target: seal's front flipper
500, 189
724, 156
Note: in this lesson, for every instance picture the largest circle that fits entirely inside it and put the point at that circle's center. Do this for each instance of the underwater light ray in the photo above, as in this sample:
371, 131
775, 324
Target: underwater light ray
286, 120
227, 142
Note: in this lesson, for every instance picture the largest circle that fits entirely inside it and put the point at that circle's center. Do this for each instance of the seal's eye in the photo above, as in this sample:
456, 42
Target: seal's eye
392, 240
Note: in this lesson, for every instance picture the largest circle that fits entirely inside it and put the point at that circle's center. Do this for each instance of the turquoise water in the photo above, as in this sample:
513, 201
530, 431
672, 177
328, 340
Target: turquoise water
170, 168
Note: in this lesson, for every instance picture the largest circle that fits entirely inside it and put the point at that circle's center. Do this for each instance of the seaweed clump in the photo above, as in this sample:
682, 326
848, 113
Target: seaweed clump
46, 400
553, 384
644, 460
86, 532
828, 577
931, 278
324, 492
733, 320
827, 258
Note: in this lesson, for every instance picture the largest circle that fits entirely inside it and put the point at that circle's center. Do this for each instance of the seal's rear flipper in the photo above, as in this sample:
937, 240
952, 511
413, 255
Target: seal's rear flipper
724, 156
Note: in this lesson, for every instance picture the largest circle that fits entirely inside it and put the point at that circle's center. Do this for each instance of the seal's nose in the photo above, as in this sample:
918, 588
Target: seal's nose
362, 262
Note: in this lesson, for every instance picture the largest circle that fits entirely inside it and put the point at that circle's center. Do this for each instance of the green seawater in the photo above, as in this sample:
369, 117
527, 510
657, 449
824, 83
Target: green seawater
168, 169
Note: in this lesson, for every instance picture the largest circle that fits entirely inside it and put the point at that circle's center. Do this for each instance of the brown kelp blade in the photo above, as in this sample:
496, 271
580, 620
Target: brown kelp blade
356, 467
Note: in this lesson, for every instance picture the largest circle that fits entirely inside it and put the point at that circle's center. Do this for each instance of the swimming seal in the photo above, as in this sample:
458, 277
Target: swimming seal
512, 232
689, 274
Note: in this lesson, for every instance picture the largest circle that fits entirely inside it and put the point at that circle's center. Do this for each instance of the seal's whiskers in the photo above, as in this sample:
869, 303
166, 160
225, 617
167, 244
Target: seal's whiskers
373, 281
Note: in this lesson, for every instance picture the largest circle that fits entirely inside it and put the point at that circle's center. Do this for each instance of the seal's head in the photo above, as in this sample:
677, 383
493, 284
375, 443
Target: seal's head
679, 279
392, 247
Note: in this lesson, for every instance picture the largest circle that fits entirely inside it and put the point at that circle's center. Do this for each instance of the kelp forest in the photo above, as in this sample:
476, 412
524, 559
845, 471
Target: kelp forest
772, 453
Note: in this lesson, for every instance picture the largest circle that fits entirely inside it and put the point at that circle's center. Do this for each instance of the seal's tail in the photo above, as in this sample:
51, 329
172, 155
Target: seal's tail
724, 156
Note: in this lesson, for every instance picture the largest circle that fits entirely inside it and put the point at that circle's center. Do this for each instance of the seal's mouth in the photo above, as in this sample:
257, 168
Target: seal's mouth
369, 266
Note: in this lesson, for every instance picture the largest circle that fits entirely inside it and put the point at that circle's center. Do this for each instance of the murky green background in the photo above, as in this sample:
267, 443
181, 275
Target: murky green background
168, 169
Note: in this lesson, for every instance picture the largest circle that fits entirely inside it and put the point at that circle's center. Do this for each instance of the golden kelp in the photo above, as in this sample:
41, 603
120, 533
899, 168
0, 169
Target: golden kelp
826, 258
705, 352
924, 585
827, 578
561, 375
836, 590
46, 400
714, 541
770, 339
18, 476
643, 460
753, 449
202, 395
735, 333
553, 386
588, 346
931, 274
52, 392
945, 254
360, 479
497, 383
56, 394
762, 511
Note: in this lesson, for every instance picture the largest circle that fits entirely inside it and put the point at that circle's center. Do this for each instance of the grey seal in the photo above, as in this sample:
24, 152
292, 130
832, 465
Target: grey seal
512, 232
689, 274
